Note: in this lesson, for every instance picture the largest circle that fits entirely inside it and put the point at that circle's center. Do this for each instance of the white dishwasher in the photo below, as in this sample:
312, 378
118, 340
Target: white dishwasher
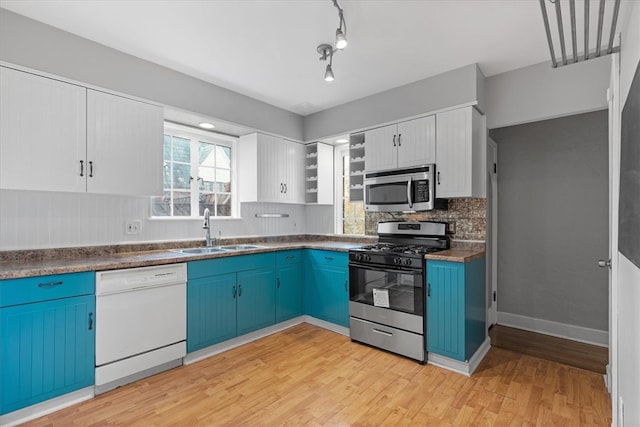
141, 323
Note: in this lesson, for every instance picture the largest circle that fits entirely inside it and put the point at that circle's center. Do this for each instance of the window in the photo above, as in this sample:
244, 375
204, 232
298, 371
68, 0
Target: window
198, 171
349, 215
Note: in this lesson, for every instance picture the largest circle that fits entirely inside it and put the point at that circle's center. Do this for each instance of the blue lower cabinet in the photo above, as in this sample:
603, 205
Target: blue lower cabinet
326, 286
289, 284
228, 297
456, 313
47, 350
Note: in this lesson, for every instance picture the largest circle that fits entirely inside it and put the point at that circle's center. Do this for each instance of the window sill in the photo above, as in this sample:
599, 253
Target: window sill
193, 218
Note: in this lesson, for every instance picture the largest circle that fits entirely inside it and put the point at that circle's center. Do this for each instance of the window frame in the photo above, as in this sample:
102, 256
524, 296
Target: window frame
195, 136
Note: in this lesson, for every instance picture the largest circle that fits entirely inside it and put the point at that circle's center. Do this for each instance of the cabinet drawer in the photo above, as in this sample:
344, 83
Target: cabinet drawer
289, 257
231, 264
43, 288
339, 259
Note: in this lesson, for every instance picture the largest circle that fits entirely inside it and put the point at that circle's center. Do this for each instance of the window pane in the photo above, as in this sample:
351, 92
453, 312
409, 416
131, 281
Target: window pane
206, 154
223, 204
181, 204
223, 180
161, 206
207, 201
223, 155
206, 178
166, 180
181, 176
181, 150
167, 147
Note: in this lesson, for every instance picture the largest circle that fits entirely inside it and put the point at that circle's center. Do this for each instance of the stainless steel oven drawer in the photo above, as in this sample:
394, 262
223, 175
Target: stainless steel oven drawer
387, 338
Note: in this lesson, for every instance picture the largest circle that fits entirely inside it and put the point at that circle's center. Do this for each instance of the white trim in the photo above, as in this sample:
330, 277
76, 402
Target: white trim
48, 406
465, 368
326, 325
555, 329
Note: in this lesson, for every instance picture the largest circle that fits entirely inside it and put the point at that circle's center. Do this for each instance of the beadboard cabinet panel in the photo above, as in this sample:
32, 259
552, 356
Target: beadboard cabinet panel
417, 142
124, 145
42, 133
382, 153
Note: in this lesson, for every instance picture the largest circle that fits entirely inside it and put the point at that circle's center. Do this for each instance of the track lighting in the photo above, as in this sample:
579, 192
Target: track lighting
326, 50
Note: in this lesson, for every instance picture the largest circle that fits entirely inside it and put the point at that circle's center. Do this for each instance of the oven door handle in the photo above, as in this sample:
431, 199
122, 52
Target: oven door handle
386, 270
409, 183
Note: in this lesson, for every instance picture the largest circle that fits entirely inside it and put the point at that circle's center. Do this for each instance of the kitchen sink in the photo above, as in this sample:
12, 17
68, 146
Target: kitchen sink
195, 251
240, 247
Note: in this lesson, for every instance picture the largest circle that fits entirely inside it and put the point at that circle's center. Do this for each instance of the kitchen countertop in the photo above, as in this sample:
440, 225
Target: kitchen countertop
457, 255
30, 267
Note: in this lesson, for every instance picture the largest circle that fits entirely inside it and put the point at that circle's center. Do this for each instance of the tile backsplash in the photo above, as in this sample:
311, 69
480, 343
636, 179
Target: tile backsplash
468, 214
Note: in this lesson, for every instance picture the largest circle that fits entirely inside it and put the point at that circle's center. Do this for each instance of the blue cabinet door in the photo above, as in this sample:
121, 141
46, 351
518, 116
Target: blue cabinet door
327, 293
256, 299
445, 309
288, 291
211, 310
47, 350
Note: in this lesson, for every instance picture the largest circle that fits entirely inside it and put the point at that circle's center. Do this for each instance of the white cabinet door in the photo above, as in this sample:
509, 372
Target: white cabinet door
42, 133
460, 154
294, 167
416, 142
381, 149
270, 174
124, 145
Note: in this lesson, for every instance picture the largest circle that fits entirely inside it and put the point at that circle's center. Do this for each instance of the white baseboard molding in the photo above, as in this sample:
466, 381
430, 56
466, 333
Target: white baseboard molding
465, 368
326, 325
41, 409
556, 329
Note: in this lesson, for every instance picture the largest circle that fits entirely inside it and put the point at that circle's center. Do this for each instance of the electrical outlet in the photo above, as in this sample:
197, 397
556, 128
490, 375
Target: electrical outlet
451, 227
133, 227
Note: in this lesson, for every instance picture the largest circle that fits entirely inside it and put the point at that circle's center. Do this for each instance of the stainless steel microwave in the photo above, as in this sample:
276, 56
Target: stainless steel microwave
400, 190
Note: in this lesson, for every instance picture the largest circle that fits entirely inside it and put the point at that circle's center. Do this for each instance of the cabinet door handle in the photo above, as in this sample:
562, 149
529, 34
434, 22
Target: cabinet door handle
90, 321
50, 284
290, 257
234, 291
90, 169
278, 283
394, 140
399, 139
285, 188
281, 188
346, 285
239, 291
81, 167
438, 178
328, 258
428, 289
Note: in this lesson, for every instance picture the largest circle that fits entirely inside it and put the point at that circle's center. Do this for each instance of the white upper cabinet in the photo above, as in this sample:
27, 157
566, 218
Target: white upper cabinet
124, 145
56, 136
271, 169
401, 145
42, 133
461, 154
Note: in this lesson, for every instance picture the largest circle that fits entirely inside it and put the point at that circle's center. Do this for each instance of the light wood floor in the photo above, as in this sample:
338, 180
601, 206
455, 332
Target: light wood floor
310, 376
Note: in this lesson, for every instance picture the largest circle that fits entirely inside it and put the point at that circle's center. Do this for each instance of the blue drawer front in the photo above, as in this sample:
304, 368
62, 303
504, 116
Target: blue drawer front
339, 259
43, 288
289, 257
231, 264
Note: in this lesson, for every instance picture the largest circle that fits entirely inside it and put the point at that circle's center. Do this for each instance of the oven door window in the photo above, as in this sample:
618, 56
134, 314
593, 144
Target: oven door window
393, 289
387, 194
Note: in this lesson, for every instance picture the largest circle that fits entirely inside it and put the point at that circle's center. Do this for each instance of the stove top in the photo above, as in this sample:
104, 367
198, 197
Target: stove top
399, 249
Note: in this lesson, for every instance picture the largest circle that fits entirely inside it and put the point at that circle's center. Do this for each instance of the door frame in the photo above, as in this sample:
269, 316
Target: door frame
492, 237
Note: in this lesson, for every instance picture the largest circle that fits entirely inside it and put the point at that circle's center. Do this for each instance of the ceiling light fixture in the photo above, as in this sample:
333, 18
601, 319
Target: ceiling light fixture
205, 125
326, 50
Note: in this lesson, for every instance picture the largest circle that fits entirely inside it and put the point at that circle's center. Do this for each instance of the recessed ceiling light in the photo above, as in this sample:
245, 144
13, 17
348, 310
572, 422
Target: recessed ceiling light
342, 140
205, 125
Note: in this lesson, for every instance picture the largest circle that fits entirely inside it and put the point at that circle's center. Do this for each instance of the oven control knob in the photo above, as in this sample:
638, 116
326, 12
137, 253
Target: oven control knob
397, 261
407, 261
367, 258
358, 257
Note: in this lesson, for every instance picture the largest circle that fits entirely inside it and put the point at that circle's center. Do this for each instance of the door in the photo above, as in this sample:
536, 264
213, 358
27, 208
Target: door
256, 300
382, 152
211, 317
124, 145
492, 233
417, 142
42, 133
288, 292
47, 350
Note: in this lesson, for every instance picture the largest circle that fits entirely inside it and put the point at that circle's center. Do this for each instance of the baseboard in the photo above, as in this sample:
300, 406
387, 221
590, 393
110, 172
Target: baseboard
41, 409
465, 368
556, 329
326, 325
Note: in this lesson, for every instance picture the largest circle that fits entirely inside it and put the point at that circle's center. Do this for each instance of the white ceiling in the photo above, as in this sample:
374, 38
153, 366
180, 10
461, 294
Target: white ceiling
267, 49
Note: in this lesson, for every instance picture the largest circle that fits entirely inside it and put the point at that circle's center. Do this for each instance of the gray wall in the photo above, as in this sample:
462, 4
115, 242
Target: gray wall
553, 219
33, 44
454, 87
539, 92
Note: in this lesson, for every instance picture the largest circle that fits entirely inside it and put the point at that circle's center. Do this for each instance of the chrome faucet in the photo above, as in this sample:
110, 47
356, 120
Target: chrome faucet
207, 226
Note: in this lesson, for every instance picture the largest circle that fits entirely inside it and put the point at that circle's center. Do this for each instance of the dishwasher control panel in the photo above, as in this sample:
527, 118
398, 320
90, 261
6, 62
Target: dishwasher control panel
129, 279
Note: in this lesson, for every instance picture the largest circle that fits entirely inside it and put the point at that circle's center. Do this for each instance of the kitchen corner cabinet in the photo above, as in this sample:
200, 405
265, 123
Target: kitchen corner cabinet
228, 297
48, 338
460, 154
272, 169
456, 309
326, 286
401, 145
318, 174
289, 284
76, 139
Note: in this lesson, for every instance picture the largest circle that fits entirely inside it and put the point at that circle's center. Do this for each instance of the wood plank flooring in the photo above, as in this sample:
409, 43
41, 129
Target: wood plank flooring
572, 353
306, 375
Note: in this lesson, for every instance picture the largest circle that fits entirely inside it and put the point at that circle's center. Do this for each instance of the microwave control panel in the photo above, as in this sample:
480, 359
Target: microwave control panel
421, 191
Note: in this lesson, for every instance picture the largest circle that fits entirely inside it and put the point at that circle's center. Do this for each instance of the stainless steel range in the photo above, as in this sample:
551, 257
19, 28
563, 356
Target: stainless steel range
386, 286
